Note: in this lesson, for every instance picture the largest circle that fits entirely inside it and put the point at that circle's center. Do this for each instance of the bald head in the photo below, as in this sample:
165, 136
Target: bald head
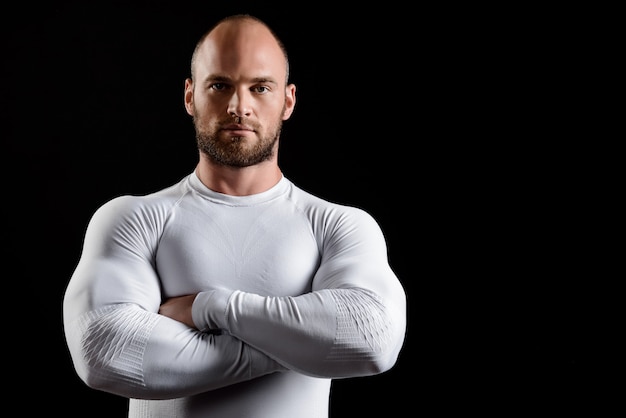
236, 37
239, 95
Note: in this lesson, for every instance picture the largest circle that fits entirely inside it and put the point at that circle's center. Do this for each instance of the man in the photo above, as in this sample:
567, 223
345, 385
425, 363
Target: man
233, 293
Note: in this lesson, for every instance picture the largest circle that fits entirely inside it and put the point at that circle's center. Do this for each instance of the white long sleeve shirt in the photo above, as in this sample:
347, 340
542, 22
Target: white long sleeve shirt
293, 291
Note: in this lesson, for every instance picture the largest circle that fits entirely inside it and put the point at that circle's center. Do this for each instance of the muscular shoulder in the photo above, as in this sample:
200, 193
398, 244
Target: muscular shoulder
328, 217
143, 211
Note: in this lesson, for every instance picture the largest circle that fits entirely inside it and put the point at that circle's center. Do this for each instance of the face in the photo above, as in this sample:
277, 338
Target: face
238, 96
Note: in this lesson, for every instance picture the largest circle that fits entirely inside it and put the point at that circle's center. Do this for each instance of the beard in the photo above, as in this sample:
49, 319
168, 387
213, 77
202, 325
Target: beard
235, 151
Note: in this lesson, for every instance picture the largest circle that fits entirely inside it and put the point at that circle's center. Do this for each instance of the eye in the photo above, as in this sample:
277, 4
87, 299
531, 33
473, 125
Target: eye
260, 89
218, 86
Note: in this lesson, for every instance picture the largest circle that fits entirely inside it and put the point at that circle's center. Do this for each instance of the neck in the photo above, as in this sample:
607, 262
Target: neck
238, 181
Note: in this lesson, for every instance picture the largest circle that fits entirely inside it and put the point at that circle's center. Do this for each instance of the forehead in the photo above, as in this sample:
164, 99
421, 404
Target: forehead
239, 50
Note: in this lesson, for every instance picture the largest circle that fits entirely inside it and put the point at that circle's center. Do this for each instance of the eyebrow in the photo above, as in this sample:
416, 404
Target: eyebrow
224, 79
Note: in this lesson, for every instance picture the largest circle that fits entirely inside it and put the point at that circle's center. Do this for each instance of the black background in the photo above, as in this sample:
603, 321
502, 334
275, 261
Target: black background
397, 113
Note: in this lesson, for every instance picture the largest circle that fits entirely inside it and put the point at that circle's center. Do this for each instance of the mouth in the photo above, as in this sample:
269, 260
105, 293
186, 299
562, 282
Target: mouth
237, 129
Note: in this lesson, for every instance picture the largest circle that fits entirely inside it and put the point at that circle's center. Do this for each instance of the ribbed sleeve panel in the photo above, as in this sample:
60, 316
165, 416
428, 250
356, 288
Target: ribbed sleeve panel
359, 325
120, 355
171, 408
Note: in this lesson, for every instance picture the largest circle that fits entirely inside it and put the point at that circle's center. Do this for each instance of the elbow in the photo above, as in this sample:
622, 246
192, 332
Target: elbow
92, 377
102, 358
361, 361
97, 372
369, 334
379, 335
106, 375
379, 357
384, 361
372, 353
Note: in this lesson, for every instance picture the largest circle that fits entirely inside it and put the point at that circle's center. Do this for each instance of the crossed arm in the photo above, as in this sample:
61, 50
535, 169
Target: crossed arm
124, 339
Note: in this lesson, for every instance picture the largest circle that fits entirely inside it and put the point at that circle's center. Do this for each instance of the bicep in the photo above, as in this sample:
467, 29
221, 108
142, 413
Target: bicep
116, 265
355, 256
101, 281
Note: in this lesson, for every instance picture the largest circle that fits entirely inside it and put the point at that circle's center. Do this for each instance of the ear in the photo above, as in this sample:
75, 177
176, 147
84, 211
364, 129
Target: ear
290, 101
189, 96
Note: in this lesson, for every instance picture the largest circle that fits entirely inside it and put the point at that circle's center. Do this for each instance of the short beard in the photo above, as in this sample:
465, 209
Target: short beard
234, 153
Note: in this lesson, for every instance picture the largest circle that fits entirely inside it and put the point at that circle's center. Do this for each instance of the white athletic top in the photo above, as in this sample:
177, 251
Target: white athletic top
294, 291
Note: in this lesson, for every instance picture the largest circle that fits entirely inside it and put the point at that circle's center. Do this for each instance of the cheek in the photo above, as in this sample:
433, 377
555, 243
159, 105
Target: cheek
209, 108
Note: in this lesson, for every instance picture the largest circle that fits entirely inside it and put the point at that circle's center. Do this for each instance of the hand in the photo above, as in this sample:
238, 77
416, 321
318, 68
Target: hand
179, 308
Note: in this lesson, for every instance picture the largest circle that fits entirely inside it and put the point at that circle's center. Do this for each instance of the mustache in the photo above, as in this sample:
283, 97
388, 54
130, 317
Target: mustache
242, 121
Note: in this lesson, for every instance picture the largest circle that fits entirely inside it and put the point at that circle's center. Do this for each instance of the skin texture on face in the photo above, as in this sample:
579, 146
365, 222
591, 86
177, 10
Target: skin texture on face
239, 97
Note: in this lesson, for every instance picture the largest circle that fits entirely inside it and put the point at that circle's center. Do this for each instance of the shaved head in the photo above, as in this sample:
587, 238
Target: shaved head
238, 93
230, 25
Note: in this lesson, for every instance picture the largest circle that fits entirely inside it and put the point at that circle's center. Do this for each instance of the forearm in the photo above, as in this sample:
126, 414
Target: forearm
128, 351
330, 333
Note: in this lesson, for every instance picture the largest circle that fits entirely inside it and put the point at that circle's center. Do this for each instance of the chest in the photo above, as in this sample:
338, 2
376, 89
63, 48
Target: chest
267, 250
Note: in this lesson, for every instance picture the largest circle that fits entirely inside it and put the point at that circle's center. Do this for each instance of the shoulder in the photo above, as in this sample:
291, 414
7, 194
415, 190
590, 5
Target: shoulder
341, 229
328, 213
149, 208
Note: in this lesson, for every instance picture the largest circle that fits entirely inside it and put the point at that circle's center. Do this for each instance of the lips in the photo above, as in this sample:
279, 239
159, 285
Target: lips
237, 127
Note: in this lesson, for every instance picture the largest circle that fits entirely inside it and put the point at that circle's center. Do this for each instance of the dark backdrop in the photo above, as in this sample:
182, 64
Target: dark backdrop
94, 104
390, 117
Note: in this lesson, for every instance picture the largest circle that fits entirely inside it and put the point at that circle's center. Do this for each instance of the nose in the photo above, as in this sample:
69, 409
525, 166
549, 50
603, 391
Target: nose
239, 104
